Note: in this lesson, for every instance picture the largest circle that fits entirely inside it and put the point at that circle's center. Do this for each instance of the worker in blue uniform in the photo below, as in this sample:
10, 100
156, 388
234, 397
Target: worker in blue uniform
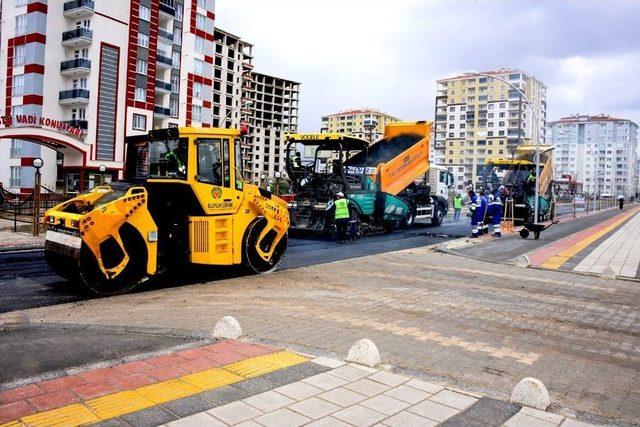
495, 211
475, 212
484, 204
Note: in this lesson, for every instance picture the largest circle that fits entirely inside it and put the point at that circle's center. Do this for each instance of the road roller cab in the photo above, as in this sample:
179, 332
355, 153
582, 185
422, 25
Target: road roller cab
183, 202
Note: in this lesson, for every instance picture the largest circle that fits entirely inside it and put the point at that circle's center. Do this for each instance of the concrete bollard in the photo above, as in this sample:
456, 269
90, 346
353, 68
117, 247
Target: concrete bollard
227, 327
608, 272
364, 352
522, 261
531, 392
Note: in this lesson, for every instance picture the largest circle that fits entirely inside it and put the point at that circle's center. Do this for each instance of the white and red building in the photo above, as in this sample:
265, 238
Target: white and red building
80, 75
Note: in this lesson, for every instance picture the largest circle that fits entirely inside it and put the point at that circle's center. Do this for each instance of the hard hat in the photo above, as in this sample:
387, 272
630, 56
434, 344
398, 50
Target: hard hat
340, 194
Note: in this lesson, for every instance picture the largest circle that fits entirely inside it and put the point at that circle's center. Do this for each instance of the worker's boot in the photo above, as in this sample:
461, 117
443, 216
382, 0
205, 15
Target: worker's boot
497, 231
474, 233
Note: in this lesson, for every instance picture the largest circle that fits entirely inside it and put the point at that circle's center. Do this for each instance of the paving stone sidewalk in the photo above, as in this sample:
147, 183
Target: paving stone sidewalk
239, 383
17, 241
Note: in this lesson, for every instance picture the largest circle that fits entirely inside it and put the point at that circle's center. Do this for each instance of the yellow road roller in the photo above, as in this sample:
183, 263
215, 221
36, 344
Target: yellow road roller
183, 202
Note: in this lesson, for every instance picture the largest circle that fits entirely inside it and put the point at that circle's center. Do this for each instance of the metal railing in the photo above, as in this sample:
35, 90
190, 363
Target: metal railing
76, 4
19, 207
75, 63
73, 93
77, 33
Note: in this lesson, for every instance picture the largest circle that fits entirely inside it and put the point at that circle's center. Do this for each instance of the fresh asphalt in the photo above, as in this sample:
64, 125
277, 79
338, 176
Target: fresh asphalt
27, 282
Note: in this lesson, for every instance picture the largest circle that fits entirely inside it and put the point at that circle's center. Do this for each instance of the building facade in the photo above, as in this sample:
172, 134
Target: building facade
356, 122
81, 75
274, 112
480, 116
600, 151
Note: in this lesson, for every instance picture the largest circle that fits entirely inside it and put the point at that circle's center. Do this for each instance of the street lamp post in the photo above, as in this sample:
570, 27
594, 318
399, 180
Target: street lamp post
262, 180
37, 164
102, 169
535, 117
246, 104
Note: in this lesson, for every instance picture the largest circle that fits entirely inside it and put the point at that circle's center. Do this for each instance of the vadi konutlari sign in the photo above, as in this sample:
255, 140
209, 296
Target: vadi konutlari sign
19, 120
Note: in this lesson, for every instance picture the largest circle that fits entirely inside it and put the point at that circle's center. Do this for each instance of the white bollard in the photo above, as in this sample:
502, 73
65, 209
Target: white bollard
608, 272
227, 327
522, 261
365, 353
531, 392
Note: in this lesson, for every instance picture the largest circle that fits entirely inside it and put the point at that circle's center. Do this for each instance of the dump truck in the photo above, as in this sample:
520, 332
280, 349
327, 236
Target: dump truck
387, 182
514, 175
183, 203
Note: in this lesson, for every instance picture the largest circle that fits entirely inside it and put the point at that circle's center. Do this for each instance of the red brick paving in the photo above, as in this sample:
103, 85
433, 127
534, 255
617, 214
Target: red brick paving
61, 383
20, 393
54, 399
70, 389
165, 373
15, 410
133, 381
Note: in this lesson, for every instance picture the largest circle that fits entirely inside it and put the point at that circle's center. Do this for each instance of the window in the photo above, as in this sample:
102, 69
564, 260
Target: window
142, 67
201, 21
18, 56
164, 159
196, 113
175, 59
21, 25
197, 90
145, 13
175, 84
18, 85
79, 83
141, 94
16, 148
213, 161
139, 122
78, 114
143, 40
198, 67
178, 12
173, 108
202, 4
16, 176
199, 45
21, 3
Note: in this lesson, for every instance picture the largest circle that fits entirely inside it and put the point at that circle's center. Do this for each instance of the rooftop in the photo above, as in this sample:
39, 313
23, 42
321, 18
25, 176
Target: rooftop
359, 111
586, 118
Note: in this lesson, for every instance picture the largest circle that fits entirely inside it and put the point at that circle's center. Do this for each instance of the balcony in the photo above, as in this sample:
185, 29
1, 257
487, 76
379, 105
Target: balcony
79, 37
164, 87
166, 7
74, 97
164, 61
167, 35
75, 67
80, 124
162, 111
78, 8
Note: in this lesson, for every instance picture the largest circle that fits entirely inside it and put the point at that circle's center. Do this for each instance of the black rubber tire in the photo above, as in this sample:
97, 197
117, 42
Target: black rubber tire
251, 261
409, 220
97, 283
438, 217
64, 266
524, 233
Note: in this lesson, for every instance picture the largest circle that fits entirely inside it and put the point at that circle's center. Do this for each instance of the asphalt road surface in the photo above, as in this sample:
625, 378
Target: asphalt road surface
27, 282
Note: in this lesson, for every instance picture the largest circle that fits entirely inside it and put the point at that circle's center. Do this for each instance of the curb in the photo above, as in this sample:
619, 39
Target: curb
25, 248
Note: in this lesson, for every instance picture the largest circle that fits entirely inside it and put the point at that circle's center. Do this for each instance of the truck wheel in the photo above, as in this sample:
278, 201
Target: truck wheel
438, 216
524, 233
90, 276
408, 221
251, 260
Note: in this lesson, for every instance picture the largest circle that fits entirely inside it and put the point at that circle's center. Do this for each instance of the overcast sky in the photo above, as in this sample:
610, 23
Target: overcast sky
388, 54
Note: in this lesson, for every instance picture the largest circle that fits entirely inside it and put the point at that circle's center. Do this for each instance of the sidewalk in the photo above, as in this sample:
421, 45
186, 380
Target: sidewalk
614, 243
10, 241
238, 383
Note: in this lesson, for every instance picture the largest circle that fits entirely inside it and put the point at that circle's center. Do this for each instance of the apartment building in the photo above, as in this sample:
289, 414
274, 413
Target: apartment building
274, 112
81, 75
599, 151
483, 115
361, 123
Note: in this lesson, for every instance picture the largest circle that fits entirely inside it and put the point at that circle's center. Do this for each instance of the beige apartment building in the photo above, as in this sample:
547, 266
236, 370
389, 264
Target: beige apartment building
356, 122
483, 115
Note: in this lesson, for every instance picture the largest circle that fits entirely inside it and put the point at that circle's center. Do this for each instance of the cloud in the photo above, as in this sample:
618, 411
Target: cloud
387, 55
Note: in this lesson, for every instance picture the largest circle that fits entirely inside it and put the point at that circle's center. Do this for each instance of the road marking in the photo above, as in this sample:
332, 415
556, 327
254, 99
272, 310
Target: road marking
560, 259
124, 402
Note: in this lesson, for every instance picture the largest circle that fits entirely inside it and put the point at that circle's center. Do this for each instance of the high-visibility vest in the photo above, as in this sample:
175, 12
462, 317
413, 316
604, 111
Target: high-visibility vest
342, 209
457, 202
